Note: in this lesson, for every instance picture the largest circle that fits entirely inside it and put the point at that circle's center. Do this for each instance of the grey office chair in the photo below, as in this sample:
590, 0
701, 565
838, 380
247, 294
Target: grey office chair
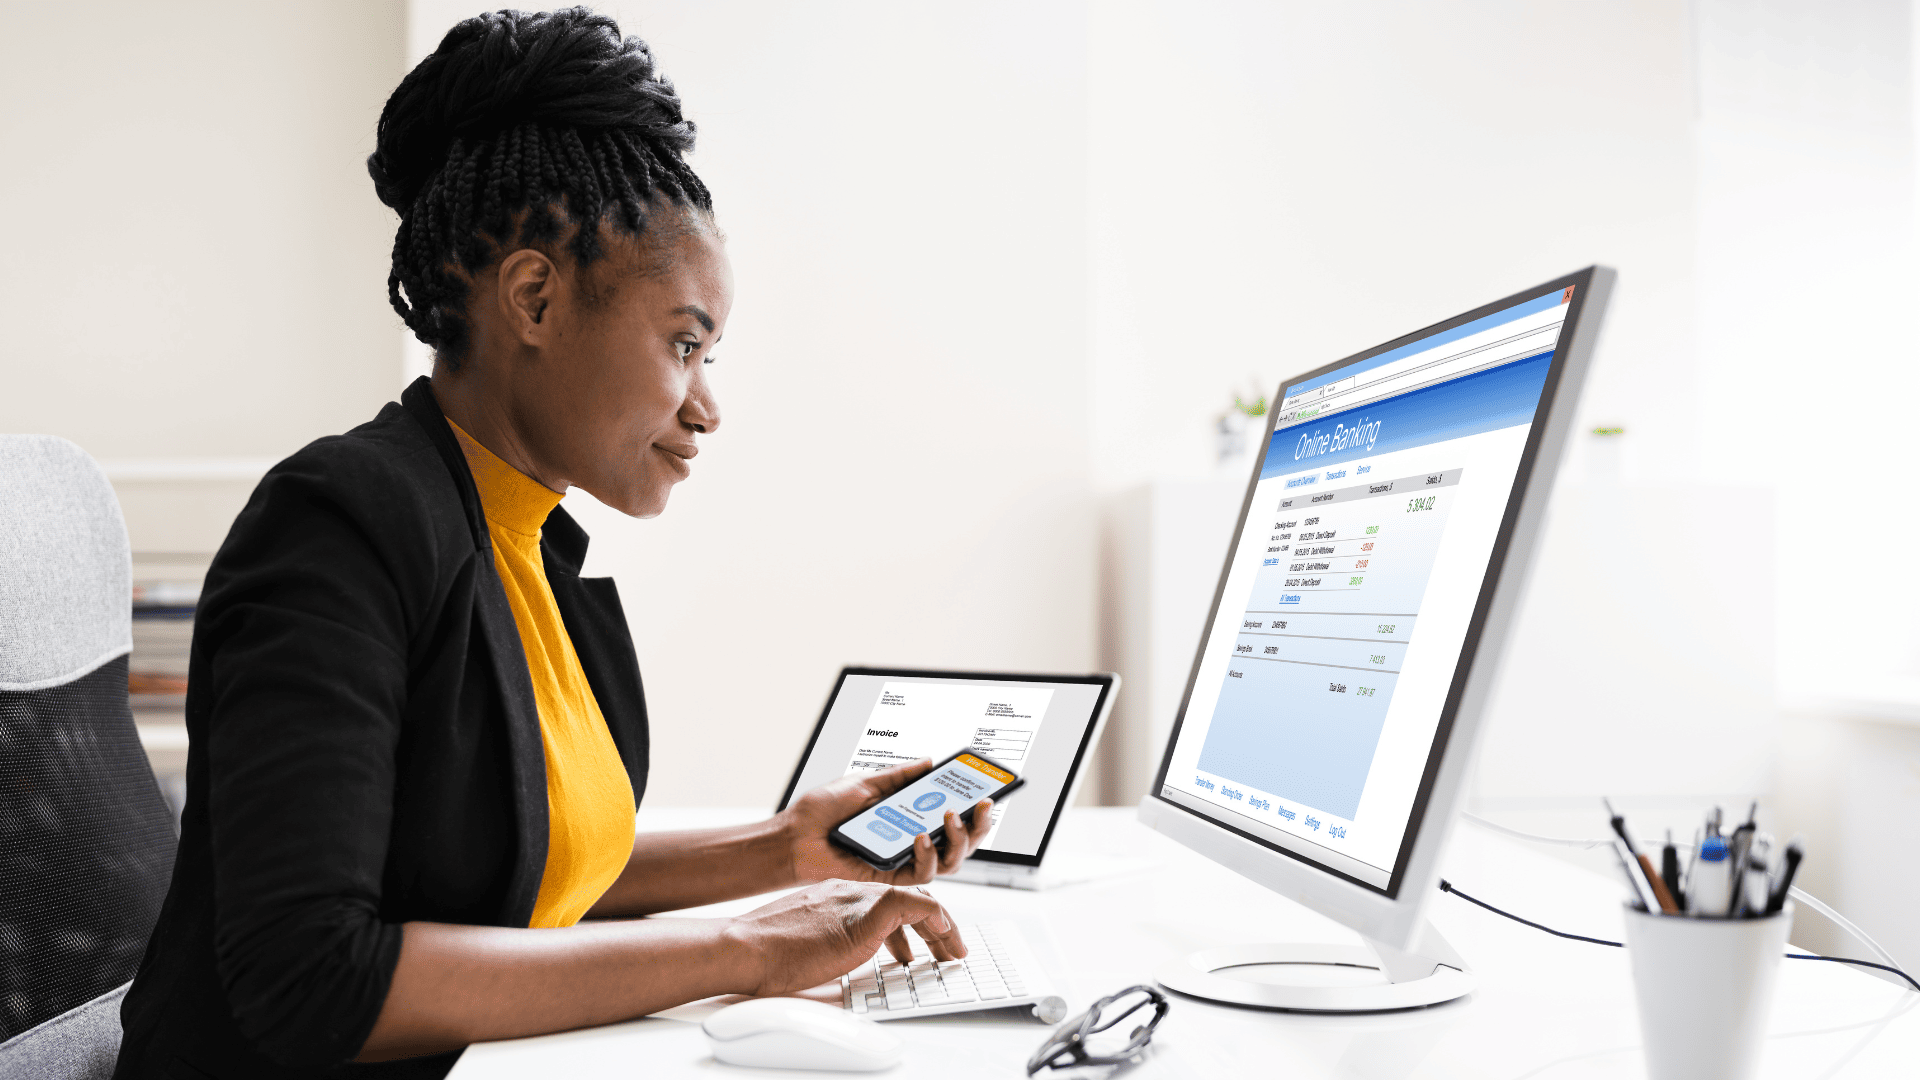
86, 841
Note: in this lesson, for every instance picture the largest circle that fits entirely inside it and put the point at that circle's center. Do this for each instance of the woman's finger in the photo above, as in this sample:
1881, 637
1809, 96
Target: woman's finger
957, 845
943, 944
982, 821
930, 920
882, 784
926, 862
897, 945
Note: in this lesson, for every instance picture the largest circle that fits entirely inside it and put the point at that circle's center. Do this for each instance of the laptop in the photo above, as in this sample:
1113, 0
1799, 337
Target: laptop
1043, 727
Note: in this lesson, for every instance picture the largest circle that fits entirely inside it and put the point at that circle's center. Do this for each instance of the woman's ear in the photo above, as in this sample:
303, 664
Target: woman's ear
527, 284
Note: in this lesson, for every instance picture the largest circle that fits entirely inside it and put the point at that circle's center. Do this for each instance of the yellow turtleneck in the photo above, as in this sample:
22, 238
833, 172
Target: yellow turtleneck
589, 796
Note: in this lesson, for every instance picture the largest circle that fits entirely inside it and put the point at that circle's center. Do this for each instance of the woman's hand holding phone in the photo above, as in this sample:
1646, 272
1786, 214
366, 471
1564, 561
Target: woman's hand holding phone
818, 934
816, 813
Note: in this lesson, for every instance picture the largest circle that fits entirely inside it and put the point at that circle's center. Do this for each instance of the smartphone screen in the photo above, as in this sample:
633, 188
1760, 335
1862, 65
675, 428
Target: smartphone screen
956, 784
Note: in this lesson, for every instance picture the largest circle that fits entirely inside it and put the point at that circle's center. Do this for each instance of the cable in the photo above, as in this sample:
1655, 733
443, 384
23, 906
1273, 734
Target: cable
1886, 958
1447, 887
1496, 827
1841, 921
1856, 963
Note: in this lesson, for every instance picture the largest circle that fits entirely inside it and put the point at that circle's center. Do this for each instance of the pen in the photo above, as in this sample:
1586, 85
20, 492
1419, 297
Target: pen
1760, 868
1693, 864
1708, 883
1670, 872
1738, 847
1656, 888
1636, 880
1789, 864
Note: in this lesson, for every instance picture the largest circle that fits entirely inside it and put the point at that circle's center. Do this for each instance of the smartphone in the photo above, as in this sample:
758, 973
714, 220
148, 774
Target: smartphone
883, 834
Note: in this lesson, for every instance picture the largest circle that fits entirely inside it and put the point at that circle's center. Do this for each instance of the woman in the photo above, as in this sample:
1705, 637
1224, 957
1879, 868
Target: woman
418, 735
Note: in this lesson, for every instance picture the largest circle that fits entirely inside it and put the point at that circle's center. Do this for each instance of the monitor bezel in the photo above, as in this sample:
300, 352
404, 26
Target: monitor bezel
1102, 705
1390, 914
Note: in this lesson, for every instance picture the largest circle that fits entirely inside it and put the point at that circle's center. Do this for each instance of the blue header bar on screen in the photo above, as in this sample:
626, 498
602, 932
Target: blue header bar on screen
1487, 400
1506, 315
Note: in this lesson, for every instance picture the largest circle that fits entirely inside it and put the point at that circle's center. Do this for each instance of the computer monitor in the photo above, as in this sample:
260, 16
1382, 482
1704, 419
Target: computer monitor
1334, 704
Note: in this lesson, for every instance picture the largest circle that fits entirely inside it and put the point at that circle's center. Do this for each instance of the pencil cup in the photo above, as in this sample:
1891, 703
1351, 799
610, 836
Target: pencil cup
1705, 988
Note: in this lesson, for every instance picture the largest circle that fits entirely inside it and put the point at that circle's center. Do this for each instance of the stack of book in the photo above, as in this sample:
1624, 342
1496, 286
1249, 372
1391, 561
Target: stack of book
162, 639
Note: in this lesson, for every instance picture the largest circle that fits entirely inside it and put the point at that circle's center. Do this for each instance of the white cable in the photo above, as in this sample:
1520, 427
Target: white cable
1485, 824
1796, 891
1840, 920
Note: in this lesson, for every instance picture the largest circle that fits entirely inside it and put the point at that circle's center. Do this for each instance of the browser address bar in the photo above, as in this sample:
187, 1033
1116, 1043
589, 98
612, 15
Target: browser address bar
1418, 371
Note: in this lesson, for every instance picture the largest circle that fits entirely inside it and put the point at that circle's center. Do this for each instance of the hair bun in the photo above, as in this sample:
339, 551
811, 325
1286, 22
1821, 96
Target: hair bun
566, 68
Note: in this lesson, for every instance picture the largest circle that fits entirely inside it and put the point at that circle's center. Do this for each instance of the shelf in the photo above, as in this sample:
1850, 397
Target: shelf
162, 470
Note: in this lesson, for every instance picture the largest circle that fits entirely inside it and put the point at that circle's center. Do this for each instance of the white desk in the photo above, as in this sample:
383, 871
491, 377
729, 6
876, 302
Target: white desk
1546, 1008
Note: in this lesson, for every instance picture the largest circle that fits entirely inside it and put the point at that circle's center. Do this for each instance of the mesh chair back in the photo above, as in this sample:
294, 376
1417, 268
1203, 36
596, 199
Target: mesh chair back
86, 841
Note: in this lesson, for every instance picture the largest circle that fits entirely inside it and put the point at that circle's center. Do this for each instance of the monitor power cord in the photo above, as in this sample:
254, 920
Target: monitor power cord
1447, 887
1796, 892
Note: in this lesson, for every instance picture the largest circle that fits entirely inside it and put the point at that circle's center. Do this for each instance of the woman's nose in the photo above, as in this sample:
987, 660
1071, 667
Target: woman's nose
701, 411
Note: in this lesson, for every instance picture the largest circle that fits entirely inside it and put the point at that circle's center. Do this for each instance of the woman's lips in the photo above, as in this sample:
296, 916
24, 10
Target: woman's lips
678, 457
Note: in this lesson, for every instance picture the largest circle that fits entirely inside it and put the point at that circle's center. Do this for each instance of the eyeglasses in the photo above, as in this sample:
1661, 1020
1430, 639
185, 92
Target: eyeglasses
1067, 1047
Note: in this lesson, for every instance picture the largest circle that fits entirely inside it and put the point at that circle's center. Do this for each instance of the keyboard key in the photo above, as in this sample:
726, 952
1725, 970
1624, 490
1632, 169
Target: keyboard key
859, 1004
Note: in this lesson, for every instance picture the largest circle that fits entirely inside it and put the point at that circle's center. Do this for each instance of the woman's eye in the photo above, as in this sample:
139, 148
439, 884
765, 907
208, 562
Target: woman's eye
685, 348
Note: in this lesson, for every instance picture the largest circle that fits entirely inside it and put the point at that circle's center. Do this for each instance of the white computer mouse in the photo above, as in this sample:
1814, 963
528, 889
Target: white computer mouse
793, 1033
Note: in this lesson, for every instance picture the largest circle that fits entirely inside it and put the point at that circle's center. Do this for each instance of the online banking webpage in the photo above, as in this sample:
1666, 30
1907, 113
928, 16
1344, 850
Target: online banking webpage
1033, 728
1351, 587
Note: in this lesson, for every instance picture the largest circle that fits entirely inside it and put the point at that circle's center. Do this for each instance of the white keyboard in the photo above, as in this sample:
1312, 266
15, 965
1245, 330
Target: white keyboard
999, 971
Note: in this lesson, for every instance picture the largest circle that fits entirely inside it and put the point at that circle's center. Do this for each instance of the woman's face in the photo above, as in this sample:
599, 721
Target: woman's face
614, 397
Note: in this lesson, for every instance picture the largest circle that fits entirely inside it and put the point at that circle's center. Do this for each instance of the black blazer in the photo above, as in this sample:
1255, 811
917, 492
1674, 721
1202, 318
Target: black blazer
365, 750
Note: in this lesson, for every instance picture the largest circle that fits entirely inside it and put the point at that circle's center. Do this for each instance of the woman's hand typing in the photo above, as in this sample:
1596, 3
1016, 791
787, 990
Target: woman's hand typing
818, 934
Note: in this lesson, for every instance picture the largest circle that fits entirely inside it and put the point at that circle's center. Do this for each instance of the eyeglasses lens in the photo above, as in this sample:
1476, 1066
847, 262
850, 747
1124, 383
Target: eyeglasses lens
1113, 1030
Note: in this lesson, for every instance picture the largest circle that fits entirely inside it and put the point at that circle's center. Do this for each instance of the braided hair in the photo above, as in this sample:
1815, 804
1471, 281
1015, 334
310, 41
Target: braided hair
517, 128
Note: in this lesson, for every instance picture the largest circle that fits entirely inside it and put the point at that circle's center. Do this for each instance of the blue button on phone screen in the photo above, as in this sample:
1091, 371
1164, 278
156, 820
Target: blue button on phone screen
886, 831
930, 800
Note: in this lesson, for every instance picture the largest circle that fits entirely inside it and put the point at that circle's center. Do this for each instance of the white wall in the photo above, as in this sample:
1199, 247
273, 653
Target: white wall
1808, 275
196, 262
1296, 182
900, 476
1275, 186
1808, 282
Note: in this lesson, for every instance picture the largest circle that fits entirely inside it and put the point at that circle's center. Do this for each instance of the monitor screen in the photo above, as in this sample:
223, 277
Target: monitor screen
1037, 726
1315, 714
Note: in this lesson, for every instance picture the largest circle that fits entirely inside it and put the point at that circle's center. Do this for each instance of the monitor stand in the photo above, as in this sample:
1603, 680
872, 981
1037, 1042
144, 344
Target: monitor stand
1323, 978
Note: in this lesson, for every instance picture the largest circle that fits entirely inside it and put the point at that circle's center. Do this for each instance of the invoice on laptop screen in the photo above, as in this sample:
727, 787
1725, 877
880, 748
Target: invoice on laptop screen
1037, 729
1349, 596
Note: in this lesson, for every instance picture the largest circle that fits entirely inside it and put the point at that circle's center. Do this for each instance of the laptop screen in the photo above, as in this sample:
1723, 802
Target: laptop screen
1038, 726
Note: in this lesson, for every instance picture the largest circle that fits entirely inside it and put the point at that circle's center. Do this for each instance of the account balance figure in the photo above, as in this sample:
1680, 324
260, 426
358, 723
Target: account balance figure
418, 735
